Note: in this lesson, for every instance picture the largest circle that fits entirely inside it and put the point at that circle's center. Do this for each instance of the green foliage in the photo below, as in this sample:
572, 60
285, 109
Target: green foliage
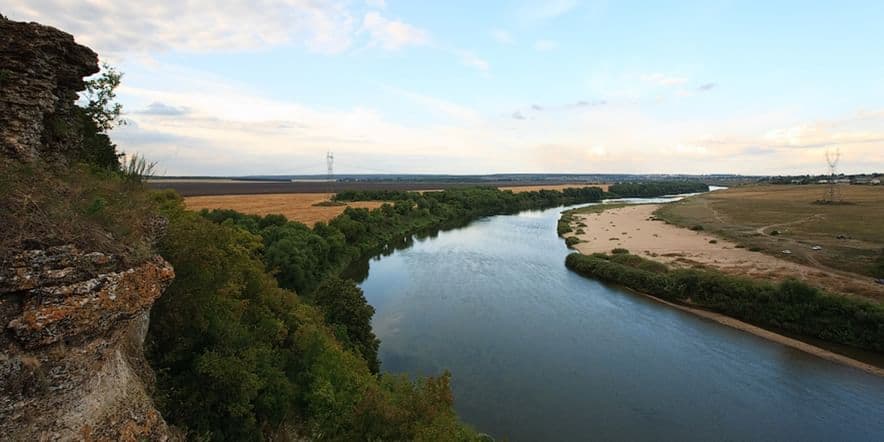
100, 95
302, 257
619, 251
82, 134
572, 241
98, 204
697, 228
137, 168
237, 357
344, 306
791, 305
656, 188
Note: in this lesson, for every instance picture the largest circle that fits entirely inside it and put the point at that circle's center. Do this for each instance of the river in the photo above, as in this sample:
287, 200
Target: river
540, 353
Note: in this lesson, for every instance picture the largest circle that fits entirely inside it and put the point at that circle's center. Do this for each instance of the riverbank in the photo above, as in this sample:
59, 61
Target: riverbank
772, 336
636, 229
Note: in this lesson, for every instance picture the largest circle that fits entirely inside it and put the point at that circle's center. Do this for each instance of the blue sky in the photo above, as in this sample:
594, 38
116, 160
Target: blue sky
229, 88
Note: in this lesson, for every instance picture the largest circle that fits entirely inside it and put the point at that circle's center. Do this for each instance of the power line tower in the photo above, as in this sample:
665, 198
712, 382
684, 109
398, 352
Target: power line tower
833, 192
330, 163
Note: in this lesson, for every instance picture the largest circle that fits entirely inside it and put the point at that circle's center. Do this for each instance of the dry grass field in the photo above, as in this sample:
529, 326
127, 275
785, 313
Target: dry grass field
775, 219
294, 206
300, 206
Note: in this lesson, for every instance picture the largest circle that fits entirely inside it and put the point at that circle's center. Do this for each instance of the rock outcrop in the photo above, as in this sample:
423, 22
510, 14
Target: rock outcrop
73, 318
41, 71
72, 365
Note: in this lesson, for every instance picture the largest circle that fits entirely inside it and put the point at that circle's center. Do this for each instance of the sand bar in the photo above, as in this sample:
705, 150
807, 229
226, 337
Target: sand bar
632, 228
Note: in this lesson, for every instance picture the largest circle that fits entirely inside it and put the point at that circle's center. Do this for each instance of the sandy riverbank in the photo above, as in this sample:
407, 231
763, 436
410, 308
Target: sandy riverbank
632, 228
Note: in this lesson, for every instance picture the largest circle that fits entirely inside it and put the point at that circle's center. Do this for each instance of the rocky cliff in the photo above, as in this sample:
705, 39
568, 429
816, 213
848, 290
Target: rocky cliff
74, 317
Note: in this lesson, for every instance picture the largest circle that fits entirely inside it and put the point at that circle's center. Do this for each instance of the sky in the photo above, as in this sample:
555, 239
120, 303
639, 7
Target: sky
472, 87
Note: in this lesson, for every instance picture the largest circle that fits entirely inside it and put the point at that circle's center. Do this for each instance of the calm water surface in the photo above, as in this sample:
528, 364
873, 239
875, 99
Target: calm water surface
540, 353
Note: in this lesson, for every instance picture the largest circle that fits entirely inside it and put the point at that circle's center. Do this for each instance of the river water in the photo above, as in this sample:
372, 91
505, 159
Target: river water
540, 353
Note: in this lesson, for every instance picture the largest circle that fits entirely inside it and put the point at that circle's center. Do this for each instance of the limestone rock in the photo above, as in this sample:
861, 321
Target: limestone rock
41, 71
72, 365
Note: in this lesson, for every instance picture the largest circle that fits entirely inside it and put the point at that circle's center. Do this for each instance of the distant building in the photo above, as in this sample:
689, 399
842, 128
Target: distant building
875, 181
823, 182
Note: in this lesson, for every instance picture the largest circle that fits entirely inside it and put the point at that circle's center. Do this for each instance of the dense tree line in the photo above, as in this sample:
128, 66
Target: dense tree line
655, 188
302, 257
239, 358
239, 354
791, 306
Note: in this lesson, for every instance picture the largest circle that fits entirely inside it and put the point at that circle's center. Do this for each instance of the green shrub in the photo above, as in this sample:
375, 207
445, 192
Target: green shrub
619, 251
713, 241
697, 228
655, 188
754, 249
792, 305
571, 241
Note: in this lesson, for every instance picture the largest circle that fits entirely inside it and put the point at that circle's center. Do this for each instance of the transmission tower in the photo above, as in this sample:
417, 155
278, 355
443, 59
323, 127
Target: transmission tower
833, 192
330, 162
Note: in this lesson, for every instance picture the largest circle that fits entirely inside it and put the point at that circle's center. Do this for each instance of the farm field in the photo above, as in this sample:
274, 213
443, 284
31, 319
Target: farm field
783, 221
294, 206
301, 206
200, 187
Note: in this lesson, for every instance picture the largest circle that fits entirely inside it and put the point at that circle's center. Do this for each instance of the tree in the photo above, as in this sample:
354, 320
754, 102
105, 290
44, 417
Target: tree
100, 106
346, 309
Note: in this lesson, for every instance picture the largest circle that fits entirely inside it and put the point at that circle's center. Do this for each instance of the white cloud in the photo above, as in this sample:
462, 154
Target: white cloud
438, 105
501, 36
664, 80
470, 59
114, 27
392, 34
545, 45
538, 10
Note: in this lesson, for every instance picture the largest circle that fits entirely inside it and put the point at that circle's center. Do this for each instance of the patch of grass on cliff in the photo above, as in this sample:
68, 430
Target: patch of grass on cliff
92, 208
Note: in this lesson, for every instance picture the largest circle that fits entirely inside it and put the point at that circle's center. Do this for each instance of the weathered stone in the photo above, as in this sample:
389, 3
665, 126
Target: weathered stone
89, 307
52, 266
74, 365
41, 71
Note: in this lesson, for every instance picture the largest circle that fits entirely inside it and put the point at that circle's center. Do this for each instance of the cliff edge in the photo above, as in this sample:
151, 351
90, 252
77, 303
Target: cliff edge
74, 309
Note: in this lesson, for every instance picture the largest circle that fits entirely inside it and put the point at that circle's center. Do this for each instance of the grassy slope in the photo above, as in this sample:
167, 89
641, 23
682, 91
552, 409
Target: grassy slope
748, 215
